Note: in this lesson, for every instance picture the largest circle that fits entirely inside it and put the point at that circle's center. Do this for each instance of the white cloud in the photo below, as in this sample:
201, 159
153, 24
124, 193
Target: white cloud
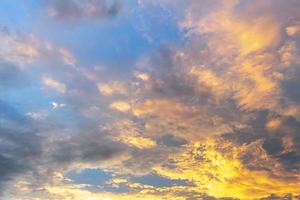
56, 105
37, 115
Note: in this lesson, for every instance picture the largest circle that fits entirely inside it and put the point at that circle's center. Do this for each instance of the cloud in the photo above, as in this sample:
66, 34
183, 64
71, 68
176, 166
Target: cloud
218, 110
73, 9
293, 30
139, 142
171, 140
142, 76
233, 69
37, 115
67, 57
18, 49
223, 175
88, 148
54, 84
112, 88
122, 106
56, 105
20, 144
32, 153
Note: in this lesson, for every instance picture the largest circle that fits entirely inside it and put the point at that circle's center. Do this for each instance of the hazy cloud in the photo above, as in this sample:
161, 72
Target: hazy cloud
73, 9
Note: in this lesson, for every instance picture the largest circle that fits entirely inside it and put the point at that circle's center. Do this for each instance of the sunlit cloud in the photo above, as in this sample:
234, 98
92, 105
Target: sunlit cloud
122, 106
112, 88
54, 84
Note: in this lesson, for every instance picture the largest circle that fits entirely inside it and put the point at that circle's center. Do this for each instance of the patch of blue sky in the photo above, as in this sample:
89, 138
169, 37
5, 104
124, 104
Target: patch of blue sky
158, 181
17, 15
33, 99
96, 180
26, 99
94, 177
11, 13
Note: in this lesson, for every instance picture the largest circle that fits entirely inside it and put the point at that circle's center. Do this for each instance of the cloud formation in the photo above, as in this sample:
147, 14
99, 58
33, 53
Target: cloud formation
211, 112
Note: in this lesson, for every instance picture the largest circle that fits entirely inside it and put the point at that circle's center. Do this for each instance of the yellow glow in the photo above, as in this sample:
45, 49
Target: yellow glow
273, 124
111, 88
256, 87
293, 30
207, 77
68, 192
142, 76
138, 141
223, 175
256, 36
122, 106
250, 36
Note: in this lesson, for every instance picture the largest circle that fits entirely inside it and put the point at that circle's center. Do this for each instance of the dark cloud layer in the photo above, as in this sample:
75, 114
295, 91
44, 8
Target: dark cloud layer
25, 149
20, 146
87, 147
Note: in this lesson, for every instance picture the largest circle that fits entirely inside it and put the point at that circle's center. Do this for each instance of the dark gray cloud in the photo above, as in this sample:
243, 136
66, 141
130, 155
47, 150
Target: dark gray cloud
30, 148
290, 160
171, 140
273, 146
168, 75
142, 161
283, 197
291, 85
273, 142
86, 147
20, 145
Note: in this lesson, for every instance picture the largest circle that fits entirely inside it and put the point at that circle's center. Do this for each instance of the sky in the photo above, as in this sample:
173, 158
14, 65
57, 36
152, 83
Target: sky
149, 99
